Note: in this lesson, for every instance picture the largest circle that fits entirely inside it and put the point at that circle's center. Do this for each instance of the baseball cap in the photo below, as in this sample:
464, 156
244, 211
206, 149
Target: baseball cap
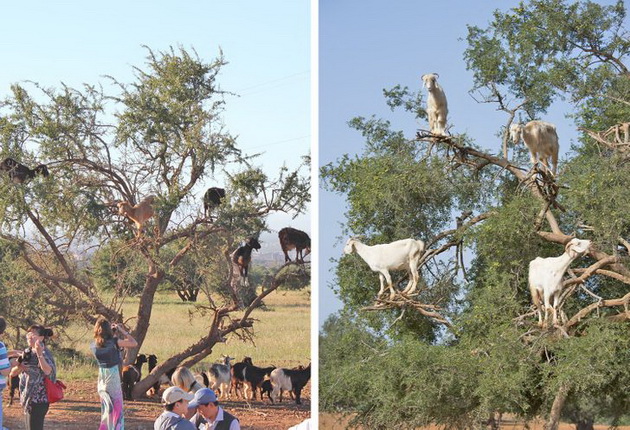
175, 394
202, 397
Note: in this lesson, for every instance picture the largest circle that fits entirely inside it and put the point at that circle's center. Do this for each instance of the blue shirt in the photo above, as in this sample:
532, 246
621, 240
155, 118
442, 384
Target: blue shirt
4, 364
108, 355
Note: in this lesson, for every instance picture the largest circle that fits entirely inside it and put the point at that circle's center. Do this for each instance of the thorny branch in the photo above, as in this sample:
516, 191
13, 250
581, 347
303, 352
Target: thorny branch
543, 186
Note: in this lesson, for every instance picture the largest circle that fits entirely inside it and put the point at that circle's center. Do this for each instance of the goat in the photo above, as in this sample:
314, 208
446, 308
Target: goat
291, 238
18, 172
437, 107
219, 376
238, 379
131, 374
243, 255
398, 255
541, 139
266, 387
165, 378
254, 376
139, 213
212, 198
545, 277
184, 379
155, 388
14, 384
291, 380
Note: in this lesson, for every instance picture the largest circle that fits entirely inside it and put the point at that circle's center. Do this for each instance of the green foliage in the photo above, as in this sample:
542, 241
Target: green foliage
26, 300
161, 135
494, 358
546, 48
117, 267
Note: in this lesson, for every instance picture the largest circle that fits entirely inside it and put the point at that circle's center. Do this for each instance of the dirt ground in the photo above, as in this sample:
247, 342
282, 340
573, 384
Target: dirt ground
80, 410
339, 422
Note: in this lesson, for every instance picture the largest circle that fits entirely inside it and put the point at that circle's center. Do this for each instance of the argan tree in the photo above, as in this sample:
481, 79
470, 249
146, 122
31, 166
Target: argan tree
161, 135
468, 348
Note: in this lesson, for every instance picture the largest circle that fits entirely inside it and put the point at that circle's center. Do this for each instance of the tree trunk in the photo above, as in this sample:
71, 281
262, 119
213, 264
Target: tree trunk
203, 347
154, 278
556, 408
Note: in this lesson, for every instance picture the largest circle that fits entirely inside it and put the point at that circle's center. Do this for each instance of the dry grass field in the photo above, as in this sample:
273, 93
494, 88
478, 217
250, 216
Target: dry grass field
282, 339
282, 331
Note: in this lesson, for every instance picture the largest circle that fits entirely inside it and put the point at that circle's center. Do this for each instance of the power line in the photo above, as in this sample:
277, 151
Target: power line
278, 142
242, 91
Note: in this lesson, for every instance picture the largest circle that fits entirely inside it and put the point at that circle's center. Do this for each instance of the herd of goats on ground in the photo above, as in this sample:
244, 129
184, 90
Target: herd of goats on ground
545, 274
244, 379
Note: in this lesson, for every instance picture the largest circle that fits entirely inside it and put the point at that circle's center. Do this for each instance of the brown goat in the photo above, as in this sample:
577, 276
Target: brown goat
131, 374
291, 238
139, 213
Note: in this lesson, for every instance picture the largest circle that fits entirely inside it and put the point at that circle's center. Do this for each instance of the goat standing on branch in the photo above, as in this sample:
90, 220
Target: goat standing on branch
545, 278
139, 213
398, 255
291, 238
211, 199
541, 139
18, 173
437, 108
243, 255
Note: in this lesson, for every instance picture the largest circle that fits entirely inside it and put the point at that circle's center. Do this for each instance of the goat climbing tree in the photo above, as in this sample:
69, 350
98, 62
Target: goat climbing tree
161, 135
455, 193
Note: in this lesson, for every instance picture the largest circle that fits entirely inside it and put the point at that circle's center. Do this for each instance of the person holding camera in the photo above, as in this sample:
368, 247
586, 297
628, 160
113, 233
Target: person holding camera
106, 348
35, 363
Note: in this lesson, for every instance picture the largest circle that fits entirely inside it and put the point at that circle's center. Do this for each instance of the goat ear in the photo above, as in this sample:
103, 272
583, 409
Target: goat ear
567, 247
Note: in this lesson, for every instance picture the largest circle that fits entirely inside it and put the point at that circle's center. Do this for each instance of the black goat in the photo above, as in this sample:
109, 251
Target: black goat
292, 238
18, 172
243, 255
155, 388
238, 379
14, 385
212, 198
131, 374
255, 376
291, 380
266, 387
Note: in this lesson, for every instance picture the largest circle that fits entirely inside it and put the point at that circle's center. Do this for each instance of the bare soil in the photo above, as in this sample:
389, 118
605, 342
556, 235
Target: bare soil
81, 410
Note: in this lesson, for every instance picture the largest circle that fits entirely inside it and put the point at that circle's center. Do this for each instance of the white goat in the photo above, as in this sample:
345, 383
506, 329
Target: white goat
291, 380
398, 255
541, 140
219, 376
437, 108
545, 277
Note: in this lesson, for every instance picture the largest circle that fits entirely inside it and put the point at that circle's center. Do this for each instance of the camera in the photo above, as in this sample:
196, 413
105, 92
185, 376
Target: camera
25, 355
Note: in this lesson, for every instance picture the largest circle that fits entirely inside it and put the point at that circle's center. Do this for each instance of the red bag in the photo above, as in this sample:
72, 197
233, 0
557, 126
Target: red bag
54, 390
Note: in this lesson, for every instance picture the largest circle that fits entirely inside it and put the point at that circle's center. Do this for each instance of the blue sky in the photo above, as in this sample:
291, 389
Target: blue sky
267, 45
366, 46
